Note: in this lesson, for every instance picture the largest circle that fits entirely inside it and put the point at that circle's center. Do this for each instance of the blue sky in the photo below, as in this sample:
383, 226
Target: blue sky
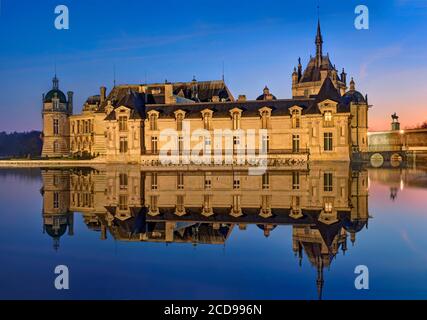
259, 43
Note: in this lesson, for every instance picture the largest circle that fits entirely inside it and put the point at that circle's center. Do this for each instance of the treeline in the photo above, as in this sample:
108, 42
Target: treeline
20, 144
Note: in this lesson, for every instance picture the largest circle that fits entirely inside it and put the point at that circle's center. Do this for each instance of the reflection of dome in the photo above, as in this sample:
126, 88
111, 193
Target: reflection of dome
55, 93
354, 226
56, 232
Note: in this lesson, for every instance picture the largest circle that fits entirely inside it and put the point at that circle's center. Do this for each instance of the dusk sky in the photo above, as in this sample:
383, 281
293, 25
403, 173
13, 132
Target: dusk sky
258, 41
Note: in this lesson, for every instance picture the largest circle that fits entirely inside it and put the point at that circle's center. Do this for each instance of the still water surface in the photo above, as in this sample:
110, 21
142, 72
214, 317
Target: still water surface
127, 234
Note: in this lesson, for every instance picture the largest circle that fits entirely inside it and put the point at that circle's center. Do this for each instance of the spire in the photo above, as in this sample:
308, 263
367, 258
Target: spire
55, 82
319, 45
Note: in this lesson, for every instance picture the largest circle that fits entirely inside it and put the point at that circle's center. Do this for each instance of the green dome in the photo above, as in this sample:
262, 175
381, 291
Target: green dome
51, 94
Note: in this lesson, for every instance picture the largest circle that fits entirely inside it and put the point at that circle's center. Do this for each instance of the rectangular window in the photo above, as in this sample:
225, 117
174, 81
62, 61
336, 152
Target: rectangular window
56, 200
266, 181
328, 184
154, 145
153, 122
181, 145
328, 141
208, 182
236, 121
207, 121
154, 203
123, 124
265, 120
179, 120
123, 181
123, 202
265, 143
180, 181
295, 180
154, 185
123, 145
236, 182
55, 126
328, 207
295, 143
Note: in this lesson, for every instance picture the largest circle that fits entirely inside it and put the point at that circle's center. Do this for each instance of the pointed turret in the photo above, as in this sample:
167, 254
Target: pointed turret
319, 45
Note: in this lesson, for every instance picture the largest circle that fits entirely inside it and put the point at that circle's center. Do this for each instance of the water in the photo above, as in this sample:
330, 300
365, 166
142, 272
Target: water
301, 233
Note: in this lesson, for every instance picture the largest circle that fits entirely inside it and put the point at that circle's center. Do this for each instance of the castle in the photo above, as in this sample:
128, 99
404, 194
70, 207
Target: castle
324, 119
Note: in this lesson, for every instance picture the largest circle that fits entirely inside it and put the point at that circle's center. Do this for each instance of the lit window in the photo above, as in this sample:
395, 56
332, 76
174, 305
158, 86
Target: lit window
328, 116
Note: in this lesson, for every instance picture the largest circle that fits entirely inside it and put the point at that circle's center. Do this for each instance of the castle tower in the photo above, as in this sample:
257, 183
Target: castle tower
359, 122
56, 128
308, 82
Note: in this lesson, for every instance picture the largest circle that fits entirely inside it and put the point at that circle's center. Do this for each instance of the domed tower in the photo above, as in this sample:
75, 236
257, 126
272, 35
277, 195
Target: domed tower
57, 107
359, 118
57, 218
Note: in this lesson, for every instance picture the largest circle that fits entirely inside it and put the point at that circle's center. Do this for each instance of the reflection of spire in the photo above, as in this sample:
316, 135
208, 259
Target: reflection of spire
320, 282
56, 244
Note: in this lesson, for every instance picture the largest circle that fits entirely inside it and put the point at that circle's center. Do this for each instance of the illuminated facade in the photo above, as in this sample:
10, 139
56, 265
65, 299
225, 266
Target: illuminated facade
322, 120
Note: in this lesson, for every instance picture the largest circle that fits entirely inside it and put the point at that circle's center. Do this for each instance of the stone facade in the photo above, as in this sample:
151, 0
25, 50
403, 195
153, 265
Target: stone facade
322, 121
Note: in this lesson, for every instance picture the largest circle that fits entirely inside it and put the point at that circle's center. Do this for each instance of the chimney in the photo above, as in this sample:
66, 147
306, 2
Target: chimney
241, 98
103, 94
215, 98
169, 98
70, 95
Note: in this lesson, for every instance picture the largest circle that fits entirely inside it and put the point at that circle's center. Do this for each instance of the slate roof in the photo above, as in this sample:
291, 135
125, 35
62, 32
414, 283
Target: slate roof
328, 91
312, 72
222, 109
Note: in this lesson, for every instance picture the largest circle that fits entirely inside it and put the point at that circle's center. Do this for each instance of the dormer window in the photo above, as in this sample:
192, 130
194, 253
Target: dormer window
55, 103
296, 119
179, 116
207, 119
153, 122
123, 124
265, 114
328, 116
235, 116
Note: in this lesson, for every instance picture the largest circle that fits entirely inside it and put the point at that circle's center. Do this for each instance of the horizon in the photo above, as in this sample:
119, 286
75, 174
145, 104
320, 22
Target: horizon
258, 46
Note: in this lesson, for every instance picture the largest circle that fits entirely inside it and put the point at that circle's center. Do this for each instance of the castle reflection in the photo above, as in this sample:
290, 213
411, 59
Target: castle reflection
326, 205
